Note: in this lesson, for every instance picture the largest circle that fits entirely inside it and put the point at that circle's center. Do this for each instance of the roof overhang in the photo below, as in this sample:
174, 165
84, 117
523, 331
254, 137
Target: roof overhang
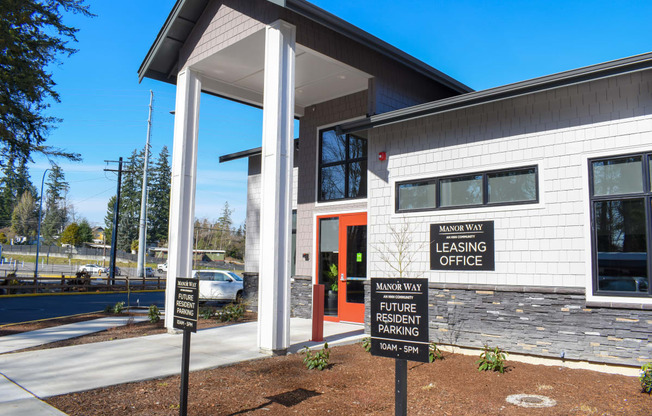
590, 73
161, 61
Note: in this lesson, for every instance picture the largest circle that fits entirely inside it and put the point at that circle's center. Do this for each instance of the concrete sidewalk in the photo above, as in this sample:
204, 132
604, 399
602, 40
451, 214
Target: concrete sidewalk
30, 339
86, 367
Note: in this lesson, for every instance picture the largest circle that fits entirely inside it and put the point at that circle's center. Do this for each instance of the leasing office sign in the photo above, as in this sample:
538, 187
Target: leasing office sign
462, 246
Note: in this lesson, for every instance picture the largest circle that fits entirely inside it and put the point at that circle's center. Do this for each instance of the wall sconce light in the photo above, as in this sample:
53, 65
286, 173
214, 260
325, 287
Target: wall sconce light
382, 156
306, 256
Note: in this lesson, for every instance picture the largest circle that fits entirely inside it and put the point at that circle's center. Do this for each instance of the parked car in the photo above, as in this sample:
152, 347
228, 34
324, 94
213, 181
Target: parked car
92, 269
219, 285
149, 272
162, 267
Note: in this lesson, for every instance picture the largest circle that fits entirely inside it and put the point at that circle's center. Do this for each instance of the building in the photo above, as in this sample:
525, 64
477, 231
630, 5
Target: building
528, 207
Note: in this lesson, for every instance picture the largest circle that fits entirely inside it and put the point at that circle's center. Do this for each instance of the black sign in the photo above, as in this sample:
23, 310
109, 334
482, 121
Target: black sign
186, 300
462, 246
399, 318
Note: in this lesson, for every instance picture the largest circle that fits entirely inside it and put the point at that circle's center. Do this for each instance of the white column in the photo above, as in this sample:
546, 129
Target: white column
276, 198
184, 178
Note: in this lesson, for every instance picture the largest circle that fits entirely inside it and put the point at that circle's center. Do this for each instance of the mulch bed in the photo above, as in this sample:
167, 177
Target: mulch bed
357, 383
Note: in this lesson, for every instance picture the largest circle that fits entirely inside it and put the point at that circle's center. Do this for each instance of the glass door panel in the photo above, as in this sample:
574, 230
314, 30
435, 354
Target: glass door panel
356, 262
328, 263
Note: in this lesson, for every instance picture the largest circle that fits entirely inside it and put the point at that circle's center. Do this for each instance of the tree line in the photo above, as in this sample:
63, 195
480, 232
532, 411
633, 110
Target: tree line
158, 201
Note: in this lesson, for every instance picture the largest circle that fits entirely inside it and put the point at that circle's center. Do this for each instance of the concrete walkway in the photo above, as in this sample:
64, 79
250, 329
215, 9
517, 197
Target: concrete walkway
58, 371
31, 339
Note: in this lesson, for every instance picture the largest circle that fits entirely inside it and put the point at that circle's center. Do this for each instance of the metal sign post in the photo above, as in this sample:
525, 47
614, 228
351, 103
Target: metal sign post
399, 327
186, 301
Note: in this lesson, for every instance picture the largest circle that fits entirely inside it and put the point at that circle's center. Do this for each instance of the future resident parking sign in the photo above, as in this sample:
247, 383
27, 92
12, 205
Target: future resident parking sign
462, 246
399, 318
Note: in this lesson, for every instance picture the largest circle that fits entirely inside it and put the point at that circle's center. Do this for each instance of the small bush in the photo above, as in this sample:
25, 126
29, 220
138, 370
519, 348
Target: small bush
366, 344
206, 312
108, 309
317, 360
119, 307
434, 353
646, 378
153, 314
232, 312
492, 359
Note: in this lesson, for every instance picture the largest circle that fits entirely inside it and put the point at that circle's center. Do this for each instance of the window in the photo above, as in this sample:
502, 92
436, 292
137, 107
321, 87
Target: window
503, 187
342, 166
621, 205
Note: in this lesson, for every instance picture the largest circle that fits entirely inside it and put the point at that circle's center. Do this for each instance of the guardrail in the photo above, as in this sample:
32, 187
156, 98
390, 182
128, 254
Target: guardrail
14, 285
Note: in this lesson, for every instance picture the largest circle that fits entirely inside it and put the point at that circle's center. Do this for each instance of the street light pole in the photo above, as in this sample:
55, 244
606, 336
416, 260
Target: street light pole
38, 228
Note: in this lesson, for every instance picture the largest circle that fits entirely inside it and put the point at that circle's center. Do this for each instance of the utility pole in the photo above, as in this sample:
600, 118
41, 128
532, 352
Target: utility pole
142, 237
116, 215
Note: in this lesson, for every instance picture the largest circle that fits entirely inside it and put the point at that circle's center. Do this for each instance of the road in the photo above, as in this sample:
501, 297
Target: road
29, 308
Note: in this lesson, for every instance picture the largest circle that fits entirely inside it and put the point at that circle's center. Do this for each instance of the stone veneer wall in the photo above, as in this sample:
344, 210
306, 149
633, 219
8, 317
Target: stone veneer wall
540, 321
301, 297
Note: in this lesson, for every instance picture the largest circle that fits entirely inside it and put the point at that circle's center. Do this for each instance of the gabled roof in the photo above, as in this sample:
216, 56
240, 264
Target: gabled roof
161, 61
576, 76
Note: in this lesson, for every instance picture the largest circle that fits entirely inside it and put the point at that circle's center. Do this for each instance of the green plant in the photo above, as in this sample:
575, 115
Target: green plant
492, 359
119, 307
434, 353
331, 275
366, 344
108, 309
317, 360
206, 312
153, 314
646, 378
232, 312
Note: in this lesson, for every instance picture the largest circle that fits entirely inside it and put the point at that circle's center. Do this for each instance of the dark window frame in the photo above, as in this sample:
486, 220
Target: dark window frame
485, 190
346, 162
646, 196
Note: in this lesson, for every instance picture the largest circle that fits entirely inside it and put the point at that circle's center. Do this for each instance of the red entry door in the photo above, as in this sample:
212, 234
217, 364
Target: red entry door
352, 266
342, 265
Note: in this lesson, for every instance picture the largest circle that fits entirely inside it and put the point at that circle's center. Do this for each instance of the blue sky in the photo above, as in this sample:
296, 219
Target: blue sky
483, 44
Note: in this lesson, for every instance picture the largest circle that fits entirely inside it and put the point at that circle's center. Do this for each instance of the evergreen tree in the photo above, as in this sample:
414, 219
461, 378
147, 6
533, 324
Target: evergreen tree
56, 214
130, 195
224, 224
159, 198
32, 36
25, 216
85, 232
14, 183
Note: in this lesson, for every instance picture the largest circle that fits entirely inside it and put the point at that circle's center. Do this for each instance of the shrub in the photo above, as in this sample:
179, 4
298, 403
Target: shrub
119, 307
492, 359
434, 353
317, 360
646, 378
108, 309
153, 314
206, 312
232, 312
366, 344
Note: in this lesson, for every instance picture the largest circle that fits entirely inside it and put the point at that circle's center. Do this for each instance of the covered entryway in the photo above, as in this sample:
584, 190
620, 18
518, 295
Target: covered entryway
342, 265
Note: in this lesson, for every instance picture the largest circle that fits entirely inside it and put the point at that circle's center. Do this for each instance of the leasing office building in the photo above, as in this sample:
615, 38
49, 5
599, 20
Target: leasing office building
528, 207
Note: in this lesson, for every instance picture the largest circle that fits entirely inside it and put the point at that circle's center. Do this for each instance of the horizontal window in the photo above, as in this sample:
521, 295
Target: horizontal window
500, 187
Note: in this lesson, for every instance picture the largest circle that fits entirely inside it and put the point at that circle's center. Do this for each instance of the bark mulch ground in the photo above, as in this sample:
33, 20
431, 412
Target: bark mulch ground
357, 383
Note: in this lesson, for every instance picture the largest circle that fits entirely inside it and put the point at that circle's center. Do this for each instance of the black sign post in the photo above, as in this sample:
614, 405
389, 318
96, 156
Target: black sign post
399, 327
186, 300
462, 246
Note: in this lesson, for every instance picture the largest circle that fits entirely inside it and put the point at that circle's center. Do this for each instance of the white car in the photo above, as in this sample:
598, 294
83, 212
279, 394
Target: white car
162, 267
219, 285
92, 269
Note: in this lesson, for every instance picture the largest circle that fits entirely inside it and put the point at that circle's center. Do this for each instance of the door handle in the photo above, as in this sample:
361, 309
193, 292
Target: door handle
342, 279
